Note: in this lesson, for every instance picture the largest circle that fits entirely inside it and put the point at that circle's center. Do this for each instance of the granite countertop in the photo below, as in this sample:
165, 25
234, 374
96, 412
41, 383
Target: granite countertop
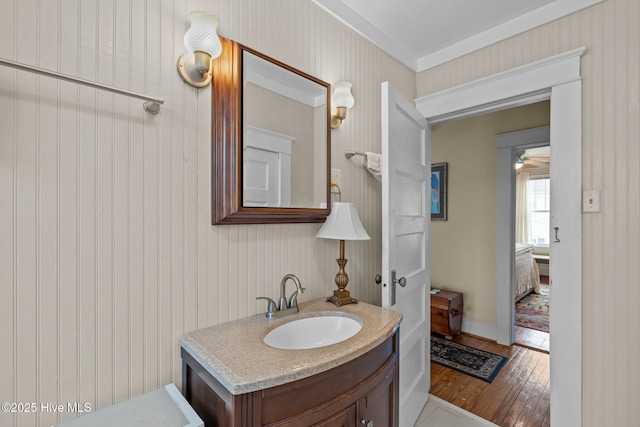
235, 354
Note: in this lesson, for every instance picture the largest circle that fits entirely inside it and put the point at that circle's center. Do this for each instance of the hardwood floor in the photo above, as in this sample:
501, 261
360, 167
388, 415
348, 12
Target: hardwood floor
519, 396
531, 338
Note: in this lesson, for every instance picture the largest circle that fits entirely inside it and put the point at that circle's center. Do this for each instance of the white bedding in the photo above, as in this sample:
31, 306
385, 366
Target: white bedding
527, 274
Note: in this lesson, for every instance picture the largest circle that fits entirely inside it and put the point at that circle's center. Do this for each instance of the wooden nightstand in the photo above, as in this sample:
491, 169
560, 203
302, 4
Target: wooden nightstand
446, 313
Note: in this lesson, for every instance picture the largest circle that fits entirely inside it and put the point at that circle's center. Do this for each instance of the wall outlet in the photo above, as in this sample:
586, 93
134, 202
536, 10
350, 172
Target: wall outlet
336, 175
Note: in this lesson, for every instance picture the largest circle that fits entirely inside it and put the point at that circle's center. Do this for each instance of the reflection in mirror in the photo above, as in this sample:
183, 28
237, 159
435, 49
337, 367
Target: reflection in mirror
284, 137
271, 140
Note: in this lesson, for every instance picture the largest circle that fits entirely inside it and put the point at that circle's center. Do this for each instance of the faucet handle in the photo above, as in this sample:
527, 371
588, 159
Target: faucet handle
271, 307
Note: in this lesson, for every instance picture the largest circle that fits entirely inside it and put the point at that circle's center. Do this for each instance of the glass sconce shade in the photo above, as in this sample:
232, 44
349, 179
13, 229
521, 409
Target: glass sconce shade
202, 36
342, 95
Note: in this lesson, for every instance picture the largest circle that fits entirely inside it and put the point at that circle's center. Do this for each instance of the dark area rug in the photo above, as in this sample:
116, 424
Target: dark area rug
468, 360
532, 311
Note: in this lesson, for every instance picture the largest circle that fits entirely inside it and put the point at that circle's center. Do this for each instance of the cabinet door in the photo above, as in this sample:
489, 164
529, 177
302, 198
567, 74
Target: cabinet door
379, 407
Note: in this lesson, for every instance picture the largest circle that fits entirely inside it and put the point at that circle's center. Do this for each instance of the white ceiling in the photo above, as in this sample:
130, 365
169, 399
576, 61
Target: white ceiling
424, 33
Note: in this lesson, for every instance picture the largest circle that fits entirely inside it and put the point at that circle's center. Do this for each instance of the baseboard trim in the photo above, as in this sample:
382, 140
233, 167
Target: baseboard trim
480, 329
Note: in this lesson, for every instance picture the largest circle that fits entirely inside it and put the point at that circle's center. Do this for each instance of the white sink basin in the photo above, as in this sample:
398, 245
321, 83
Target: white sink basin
312, 332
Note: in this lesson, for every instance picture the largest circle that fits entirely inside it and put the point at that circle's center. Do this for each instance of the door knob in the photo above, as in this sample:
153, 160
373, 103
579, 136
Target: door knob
366, 423
401, 281
378, 279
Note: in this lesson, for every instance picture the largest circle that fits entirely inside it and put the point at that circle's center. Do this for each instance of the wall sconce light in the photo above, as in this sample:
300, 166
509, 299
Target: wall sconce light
342, 100
202, 44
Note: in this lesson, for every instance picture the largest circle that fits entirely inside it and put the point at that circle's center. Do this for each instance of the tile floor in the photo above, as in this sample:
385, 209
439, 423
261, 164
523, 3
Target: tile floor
440, 413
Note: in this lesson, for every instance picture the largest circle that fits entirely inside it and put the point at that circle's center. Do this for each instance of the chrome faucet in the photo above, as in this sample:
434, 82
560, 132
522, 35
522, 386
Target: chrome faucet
293, 300
283, 307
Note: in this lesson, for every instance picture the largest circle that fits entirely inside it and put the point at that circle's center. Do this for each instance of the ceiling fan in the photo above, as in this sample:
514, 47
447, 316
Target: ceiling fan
536, 157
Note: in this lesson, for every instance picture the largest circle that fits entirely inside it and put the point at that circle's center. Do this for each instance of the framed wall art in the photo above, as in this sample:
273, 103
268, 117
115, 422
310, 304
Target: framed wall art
439, 192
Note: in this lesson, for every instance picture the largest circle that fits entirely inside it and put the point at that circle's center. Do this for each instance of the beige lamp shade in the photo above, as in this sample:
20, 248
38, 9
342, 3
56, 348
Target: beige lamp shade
343, 223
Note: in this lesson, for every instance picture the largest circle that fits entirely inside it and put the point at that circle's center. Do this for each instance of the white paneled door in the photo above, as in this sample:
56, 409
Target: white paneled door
406, 160
262, 183
266, 168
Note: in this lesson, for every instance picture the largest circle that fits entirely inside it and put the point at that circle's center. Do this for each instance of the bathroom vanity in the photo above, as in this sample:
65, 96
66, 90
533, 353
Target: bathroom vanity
232, 378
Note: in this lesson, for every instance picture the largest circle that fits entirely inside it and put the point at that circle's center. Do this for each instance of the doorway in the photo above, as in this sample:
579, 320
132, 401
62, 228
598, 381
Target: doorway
558, 79
529, 202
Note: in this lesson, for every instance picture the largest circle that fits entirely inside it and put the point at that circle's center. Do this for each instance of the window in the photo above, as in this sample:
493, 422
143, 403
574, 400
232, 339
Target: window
539, 201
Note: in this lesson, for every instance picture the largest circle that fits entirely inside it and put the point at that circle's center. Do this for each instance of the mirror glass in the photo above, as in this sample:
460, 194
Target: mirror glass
284, 137
270, 140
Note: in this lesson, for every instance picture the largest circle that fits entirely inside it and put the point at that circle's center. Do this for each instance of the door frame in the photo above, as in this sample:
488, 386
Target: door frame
557, 79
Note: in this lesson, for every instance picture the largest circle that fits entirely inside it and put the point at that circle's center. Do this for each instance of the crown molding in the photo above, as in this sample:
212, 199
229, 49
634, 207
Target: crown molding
550, 12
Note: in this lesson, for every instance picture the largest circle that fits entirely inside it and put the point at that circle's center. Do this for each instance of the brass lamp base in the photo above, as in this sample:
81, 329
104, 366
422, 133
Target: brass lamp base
341, 296
341, 300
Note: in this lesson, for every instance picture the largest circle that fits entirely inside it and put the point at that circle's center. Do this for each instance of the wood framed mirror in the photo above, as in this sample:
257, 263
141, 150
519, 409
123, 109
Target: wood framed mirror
271, 140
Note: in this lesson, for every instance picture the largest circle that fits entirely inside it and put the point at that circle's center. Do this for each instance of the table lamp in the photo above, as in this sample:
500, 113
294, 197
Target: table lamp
342, 224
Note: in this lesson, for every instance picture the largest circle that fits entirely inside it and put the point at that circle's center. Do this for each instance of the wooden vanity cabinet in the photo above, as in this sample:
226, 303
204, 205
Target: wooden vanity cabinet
364, 389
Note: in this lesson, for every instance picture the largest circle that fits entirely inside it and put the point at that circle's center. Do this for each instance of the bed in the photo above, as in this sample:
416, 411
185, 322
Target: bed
527, 274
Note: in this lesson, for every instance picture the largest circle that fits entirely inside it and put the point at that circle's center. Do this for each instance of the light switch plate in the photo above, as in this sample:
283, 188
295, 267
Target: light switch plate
591, 201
